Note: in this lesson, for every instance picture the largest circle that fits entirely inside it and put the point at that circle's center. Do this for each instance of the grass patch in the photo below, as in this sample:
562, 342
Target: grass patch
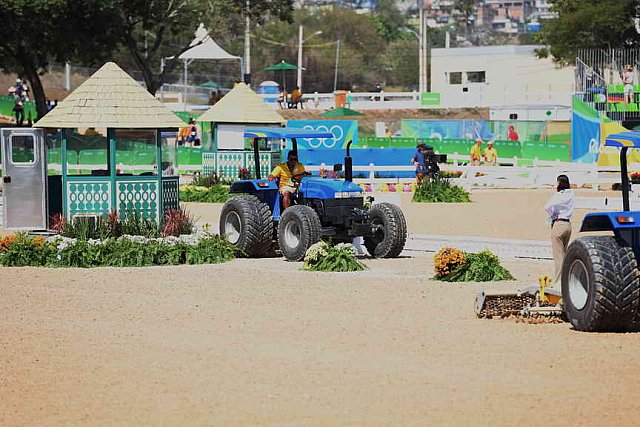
440, 190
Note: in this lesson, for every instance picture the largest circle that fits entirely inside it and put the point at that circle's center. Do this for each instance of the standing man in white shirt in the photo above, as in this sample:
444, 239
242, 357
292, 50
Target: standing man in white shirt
560, 209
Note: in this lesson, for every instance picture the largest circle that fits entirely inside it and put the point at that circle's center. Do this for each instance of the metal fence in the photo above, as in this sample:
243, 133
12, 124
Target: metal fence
599, 81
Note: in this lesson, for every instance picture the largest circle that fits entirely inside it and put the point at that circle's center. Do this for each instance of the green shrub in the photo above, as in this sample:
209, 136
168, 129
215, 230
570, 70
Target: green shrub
440, 190
24, 251
210, 250
324, 257
215, 194
481, 267
209, 180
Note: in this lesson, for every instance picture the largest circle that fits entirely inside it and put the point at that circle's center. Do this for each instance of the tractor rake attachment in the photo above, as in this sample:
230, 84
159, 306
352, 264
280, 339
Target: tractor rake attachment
535, 304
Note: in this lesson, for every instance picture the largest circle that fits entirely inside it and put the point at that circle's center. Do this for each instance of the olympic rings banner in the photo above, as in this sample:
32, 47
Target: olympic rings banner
343, 131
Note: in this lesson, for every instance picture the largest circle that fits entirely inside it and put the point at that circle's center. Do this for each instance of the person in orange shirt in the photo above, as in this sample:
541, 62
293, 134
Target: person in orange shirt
287, 172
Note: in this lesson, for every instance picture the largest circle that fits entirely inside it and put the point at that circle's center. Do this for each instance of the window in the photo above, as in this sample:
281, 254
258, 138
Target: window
136, 152
23, 149
476, 76
455, 78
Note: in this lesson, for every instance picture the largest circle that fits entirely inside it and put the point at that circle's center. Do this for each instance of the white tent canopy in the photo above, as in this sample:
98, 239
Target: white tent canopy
203, 47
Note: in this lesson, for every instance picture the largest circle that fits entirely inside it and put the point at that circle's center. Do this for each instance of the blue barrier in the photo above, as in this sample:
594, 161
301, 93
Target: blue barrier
361, 157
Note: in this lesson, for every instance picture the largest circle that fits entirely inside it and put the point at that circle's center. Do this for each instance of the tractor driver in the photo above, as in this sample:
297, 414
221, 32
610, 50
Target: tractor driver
287, 172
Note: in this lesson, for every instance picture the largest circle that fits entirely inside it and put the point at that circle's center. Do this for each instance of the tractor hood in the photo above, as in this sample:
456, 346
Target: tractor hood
326, 188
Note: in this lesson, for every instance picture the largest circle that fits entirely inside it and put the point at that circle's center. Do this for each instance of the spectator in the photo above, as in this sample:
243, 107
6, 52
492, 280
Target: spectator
376, 89
475, 152
387, 133
213, 98
193, 139
628, 77
18, 110
282, 100
490, 154
560, 209
513, 135
296, 98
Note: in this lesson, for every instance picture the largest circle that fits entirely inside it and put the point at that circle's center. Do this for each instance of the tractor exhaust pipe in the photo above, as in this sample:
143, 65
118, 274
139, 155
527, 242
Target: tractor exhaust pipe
348, 164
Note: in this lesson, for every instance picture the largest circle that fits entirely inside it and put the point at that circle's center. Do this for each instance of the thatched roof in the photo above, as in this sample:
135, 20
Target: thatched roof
110, 98
241, 105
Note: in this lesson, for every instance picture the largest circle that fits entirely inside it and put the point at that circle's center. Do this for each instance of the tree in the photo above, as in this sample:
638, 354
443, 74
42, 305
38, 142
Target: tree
170, 26
388, 19
34, 33
589, 24
466, 9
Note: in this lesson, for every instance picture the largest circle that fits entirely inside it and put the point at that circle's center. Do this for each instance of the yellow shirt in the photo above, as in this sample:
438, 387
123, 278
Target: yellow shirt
490, 154
282, 171
475, 152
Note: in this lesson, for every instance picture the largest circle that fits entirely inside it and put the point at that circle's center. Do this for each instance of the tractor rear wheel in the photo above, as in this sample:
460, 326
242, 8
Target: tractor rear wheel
600, 284
299, 228
246, 221
390, 232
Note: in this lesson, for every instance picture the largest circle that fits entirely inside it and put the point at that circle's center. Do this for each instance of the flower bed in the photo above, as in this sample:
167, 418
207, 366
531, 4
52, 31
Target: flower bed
125, 251
453, 265
324, 257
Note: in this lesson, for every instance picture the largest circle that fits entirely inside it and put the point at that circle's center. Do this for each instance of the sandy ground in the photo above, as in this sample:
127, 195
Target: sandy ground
260, 342
500, 213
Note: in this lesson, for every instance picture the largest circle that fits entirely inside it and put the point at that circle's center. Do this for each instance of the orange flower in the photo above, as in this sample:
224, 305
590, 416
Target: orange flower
447, 260
6, 242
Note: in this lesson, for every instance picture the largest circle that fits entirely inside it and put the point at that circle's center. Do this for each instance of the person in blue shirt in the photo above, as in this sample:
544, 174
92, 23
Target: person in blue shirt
418, 161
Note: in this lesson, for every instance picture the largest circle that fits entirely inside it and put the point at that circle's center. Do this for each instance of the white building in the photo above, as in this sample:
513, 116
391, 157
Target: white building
498, 75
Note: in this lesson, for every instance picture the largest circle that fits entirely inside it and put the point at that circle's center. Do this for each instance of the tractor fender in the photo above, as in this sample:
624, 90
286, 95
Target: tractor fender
252, 186
610, 221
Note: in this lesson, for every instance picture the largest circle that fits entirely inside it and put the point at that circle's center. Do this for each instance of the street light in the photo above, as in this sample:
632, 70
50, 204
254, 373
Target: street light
422, 75
300, 43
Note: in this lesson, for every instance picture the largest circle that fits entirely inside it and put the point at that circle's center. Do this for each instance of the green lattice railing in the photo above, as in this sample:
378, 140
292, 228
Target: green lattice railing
140, 194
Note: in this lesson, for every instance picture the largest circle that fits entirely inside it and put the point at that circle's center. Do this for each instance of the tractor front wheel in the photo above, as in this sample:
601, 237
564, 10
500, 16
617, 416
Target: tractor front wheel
390, 231
299, 228
600, 284
246, 222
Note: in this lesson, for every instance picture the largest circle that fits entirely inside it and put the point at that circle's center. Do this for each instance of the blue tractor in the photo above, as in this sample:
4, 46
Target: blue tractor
323, 208
600, 276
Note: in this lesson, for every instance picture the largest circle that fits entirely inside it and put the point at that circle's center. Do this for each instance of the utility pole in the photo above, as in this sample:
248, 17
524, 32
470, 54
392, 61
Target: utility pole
425, 51
300, 42
247, 43
421, 46
335, 76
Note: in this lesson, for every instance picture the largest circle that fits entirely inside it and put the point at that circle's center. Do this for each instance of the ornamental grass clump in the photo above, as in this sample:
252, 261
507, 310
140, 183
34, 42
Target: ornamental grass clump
453, 265
324, 257
440, 190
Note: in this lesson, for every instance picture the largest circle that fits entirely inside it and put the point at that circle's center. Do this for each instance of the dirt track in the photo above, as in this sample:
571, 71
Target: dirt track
260, 342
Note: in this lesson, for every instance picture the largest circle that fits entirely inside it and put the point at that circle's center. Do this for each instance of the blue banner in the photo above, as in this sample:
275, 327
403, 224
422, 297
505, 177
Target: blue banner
446, 129
342, 130
585, 138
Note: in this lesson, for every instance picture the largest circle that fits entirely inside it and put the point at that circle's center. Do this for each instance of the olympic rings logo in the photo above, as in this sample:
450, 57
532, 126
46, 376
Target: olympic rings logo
335, 130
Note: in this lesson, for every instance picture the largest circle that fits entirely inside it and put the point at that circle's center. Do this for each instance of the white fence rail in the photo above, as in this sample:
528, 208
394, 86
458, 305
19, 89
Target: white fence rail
197, 99
543, 173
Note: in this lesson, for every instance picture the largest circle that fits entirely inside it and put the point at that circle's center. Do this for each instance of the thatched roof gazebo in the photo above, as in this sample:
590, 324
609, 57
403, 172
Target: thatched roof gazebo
229, 117
124, 142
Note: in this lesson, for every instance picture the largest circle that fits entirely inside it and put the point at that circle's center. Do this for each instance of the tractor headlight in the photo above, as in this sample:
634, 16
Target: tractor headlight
347, 194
